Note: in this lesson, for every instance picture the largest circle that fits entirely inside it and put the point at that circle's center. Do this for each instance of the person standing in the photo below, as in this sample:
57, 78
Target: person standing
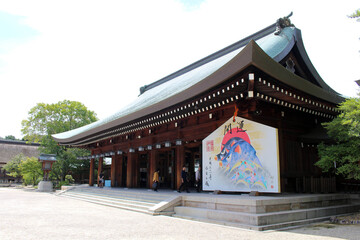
156, 180
184, 181
198, 179
101, 180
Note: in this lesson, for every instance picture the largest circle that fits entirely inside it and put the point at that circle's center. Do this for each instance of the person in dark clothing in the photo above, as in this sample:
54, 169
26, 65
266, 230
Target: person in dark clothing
184, 181
101, 180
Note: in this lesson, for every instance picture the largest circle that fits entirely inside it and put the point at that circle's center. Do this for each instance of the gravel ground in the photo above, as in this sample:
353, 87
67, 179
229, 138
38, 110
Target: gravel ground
27, 214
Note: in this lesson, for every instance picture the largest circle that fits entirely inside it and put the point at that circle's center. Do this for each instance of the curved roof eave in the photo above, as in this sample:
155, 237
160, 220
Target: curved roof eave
308, 63
265, 63
296, 40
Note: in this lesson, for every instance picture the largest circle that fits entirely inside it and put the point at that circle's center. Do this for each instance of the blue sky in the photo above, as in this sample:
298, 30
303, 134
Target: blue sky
101, 52
13, 28
13, 32
191, 5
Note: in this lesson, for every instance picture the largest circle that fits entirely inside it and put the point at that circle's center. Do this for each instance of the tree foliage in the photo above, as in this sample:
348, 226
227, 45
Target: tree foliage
31, 171
12, 167
343, 156
27, 168
356, 14
45, 120
10, 137
67, 163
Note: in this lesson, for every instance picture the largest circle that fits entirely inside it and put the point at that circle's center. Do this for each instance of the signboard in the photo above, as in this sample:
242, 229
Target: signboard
107, 183
242, 156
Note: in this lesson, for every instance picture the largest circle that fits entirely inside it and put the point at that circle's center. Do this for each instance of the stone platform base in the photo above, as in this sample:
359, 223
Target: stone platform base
266, 212
45, 186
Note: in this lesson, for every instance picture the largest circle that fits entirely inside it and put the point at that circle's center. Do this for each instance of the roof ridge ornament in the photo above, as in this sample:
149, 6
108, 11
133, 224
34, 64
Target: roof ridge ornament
142, 89
282, 23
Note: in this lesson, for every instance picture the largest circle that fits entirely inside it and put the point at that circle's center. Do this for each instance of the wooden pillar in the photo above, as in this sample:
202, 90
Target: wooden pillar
113, 171
152, 167
91, 174
130, 170
99, 168
119, 170
136, 172
180, 161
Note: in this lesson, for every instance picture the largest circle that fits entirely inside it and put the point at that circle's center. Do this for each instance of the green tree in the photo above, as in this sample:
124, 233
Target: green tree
10, 137
31, 171
356, 14
343, 156
45, 120
68, 163
12, 167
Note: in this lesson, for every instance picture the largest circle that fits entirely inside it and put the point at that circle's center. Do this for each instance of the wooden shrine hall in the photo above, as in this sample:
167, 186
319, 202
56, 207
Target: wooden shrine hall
266, 78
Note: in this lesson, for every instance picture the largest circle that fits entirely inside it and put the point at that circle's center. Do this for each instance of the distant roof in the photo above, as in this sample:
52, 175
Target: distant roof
187, 81
17, 142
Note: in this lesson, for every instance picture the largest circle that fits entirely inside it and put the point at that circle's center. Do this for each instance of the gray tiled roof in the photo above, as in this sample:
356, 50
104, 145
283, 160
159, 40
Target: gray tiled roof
155, 94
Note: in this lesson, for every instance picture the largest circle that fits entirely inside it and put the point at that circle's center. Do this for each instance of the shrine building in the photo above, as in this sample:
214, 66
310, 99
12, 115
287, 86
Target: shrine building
265, 80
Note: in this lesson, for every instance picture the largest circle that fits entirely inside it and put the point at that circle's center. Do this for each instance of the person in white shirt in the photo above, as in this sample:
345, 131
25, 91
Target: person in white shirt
198, 179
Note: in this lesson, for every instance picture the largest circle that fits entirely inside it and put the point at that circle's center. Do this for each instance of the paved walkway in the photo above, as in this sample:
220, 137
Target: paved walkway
26, 214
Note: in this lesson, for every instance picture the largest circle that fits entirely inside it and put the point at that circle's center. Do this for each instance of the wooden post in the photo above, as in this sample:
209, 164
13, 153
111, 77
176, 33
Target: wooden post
113, 171
152, 167
129, 170
136, 172
118, 171
99, 168
91, 174
180, 161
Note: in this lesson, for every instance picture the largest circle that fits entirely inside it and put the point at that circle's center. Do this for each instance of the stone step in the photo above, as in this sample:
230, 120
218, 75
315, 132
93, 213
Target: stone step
291, 224
265, 219
109, 204
279, 226
303, 214
112, 203
112, 196
134, 200
126, 202
149, 195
